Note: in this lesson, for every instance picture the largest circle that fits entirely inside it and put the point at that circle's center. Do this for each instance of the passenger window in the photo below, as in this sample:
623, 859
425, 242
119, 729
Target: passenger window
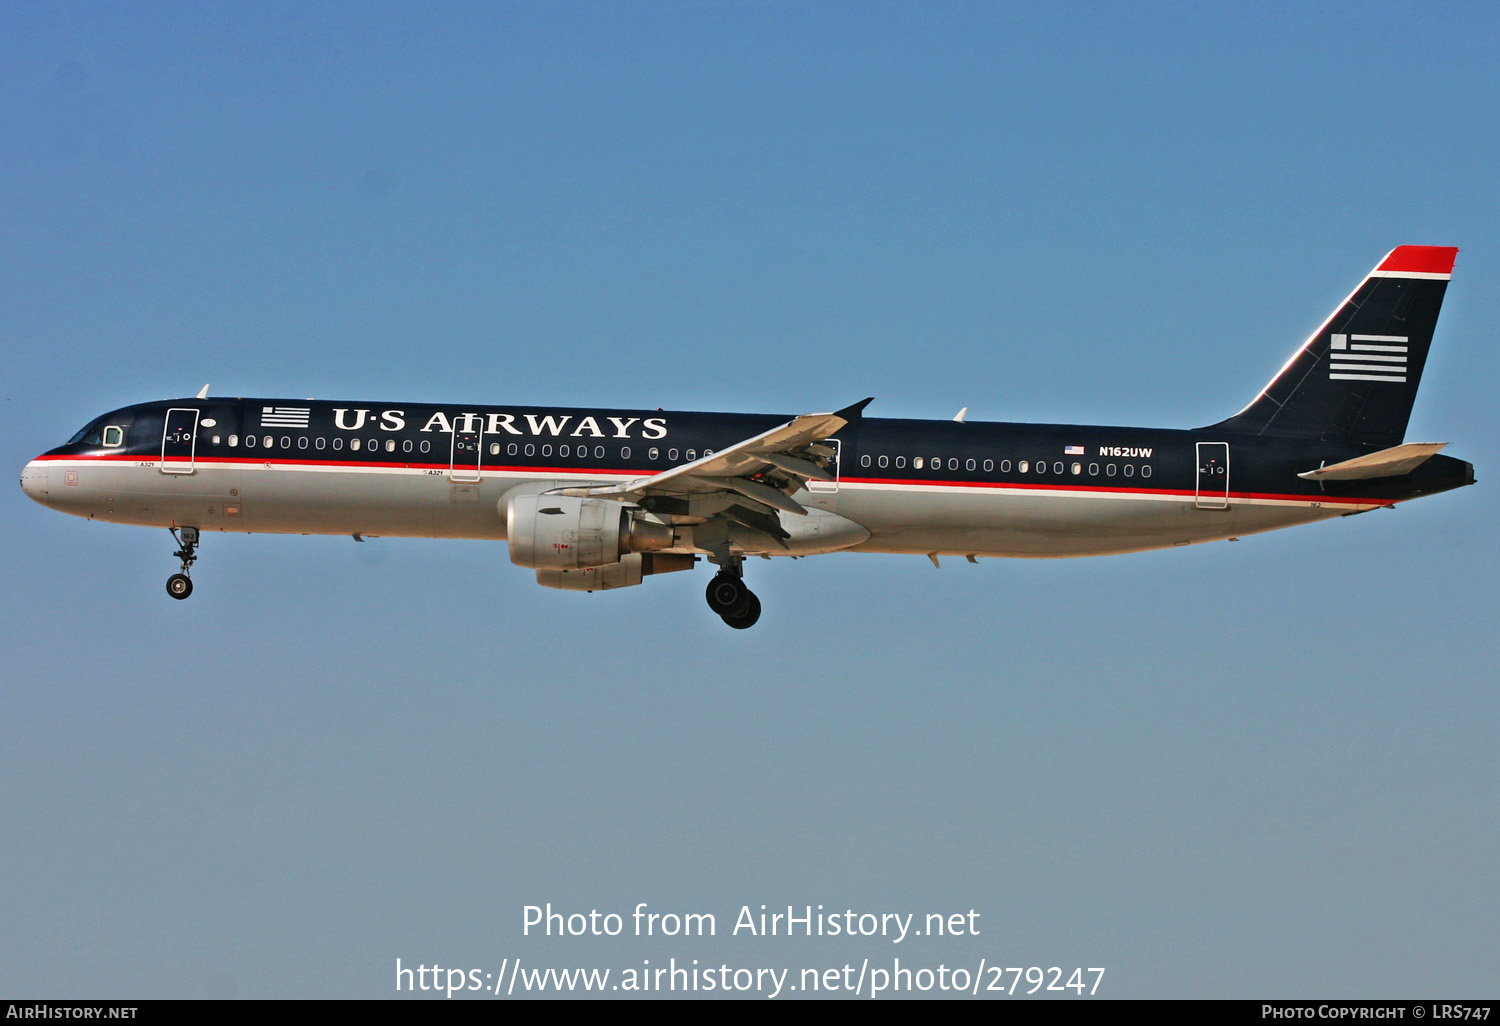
215, 439
1078, 468
1129, 469
563, 450
624, 452
426, 445
338, 443
953, 464
598, 452
267, 441
249, 441
916, 463
302, 441
234, 440
318, 443
286, 441
970, 465
530, 449
406, 445
547, 449
1041, 466
1057, 468
354, 444
653, 454
1093, 470
390, 445
1146, 471
494, 448
1005, 466
672, 455
900, 462
882, 462
1023, 466
864, 461
512, 449
1109, 469
692, 454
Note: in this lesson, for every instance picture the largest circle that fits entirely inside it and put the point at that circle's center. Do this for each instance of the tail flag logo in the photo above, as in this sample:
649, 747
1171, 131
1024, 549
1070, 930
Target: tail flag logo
1367, 358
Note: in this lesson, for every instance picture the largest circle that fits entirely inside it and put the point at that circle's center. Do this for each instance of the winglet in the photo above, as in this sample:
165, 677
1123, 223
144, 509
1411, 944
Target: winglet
856, 411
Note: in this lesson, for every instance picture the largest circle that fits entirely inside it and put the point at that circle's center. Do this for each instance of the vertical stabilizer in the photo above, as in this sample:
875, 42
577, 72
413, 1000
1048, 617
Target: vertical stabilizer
1355, 379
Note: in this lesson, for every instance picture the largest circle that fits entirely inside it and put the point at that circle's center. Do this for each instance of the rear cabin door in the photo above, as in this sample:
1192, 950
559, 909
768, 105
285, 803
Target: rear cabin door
179, 441
1213, 475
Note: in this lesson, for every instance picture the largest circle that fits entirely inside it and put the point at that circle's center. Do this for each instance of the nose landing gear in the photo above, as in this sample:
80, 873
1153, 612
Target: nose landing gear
735, 604
180, 585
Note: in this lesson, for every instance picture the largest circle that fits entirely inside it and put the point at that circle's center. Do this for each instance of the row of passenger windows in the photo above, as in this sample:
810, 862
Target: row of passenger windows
406, 445
654, 454
303, 442
1022, 466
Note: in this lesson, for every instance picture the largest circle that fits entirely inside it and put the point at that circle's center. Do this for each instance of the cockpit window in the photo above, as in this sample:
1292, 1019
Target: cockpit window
109, 430
90, 433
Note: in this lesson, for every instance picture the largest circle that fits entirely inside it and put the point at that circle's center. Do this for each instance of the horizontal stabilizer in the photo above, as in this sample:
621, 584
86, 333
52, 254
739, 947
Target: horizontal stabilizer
1392, 462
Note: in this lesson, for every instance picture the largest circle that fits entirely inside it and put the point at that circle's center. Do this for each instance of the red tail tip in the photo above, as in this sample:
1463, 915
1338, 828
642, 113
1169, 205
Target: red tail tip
1421, 259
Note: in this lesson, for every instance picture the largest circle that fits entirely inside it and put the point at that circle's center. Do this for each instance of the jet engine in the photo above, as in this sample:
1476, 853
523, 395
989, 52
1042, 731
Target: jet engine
564, 532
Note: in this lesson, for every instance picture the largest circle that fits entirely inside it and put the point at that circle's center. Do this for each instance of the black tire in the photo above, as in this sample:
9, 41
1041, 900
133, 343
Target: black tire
726, 595
179, 586
748, 616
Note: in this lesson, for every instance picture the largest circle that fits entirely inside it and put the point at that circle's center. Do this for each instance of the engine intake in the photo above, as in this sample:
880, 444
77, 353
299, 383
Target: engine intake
564, 532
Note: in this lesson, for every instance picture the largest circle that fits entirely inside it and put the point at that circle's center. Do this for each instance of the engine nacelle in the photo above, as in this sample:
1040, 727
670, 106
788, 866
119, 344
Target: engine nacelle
565, 532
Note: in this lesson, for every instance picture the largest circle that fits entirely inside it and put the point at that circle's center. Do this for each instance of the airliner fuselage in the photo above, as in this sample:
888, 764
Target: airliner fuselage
915, 486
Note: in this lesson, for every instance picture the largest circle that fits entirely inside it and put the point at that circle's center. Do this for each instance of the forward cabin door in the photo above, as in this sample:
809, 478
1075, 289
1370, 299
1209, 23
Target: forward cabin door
179, 442
467, 447
1213, 475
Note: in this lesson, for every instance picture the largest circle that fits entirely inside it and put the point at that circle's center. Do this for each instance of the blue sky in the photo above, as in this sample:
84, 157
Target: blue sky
1235, 770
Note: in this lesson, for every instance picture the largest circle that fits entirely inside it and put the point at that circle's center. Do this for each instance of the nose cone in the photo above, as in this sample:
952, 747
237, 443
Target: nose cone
34, 481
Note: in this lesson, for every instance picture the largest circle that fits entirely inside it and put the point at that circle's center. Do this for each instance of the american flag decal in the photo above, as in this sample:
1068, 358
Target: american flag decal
284, 416
1367, 358
1073, 450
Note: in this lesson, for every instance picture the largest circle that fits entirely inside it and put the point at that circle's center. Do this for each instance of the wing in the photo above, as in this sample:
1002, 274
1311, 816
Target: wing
749, 483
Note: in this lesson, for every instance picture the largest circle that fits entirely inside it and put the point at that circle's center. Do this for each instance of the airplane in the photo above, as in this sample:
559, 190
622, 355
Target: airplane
599, 499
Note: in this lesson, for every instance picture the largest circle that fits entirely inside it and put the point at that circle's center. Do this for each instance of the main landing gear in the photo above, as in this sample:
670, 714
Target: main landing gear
735, 603
180, 585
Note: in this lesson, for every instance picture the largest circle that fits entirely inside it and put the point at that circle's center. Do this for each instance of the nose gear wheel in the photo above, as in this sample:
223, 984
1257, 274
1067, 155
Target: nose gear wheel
180, 585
